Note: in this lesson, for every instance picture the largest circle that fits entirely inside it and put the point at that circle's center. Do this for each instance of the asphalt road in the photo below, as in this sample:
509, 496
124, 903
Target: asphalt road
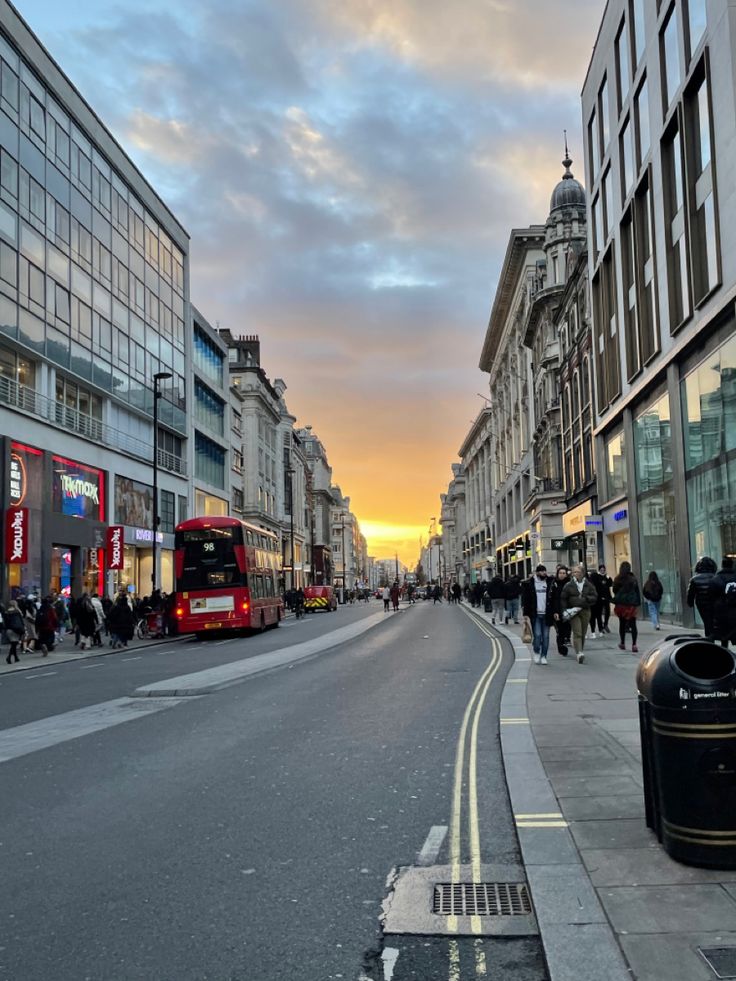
247, 835
60, 686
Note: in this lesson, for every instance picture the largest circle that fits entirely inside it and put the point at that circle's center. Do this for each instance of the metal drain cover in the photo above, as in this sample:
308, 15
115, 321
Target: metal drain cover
481, 899
721, 960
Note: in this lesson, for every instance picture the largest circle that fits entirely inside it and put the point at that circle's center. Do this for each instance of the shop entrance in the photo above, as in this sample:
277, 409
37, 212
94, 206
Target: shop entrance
74, 570
621, 543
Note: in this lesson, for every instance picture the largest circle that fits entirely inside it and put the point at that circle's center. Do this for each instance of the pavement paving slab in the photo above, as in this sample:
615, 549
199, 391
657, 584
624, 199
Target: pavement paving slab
626, 909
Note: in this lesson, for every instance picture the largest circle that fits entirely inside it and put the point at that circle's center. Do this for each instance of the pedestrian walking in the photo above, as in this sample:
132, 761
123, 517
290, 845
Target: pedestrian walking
603, 583
15, 630
46, 624
498, 599
626, 600
653, 591
395, 594
29, 609
701, 594
512, 595
86, 621
99, 617
561, 624
578, 598
121, 620
386, 594
456, 592
534, 605
724, 608
437, 595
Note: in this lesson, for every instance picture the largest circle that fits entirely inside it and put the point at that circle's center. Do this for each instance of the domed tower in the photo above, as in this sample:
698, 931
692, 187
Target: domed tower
566, 230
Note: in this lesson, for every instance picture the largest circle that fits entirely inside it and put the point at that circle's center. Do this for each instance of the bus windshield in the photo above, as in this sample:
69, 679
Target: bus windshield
209, 560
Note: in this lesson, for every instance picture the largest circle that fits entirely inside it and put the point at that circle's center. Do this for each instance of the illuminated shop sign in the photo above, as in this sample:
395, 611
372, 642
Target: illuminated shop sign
621, 515
25, 476
146, 535
78, 490
115, 541
16, 536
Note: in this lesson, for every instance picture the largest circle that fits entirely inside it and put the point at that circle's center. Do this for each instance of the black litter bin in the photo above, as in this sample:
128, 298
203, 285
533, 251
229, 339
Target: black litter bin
687, 714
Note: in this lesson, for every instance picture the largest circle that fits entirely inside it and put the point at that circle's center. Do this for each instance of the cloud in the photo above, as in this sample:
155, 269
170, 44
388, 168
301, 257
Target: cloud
349, 171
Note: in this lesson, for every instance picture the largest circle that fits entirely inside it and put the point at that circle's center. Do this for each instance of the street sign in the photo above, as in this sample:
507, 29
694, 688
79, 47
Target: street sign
558, 544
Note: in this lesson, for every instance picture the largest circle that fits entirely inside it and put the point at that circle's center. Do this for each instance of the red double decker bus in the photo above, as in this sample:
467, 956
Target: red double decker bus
226, 576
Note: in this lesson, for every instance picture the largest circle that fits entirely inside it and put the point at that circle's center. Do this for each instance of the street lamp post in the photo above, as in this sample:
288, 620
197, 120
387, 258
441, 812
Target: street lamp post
290, 474
158, 377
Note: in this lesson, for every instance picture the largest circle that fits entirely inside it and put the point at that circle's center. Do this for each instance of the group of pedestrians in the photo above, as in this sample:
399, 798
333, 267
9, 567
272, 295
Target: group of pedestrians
498, 597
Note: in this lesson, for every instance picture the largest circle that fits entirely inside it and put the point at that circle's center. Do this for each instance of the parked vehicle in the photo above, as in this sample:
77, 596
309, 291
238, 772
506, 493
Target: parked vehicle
320, 598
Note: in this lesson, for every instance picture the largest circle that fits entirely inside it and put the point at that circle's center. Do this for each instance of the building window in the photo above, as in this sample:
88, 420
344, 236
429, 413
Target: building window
670, 58
209, 461
594, 146
606, 332
643, 138
208, 358
237, 499
608, 204
696, 22
640, 41
704, 238
646, 271
709, 423
209, 410
627, 160
604, 110
628, 282
623, 79
597, 227
183, 508
166, 513
675, 227
616, 484
656, 500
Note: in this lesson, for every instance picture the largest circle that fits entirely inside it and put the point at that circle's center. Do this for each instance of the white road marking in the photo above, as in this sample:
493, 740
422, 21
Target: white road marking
39, 674
86, 667
432, 845
132, 658
34, 736
389, 956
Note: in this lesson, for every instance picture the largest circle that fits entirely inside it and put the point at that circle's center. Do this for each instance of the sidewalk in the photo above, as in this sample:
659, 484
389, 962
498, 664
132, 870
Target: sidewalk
585, 727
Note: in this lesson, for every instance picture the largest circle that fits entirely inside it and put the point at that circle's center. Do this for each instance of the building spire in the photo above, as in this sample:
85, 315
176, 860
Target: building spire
567, 162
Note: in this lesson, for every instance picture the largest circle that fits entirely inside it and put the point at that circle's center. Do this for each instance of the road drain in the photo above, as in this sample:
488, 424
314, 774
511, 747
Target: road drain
721, 960
481, 899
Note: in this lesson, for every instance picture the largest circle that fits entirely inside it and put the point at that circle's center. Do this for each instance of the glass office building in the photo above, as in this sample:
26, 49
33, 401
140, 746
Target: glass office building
93, 304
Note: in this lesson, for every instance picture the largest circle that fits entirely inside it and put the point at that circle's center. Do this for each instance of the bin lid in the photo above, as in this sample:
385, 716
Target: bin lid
688, 672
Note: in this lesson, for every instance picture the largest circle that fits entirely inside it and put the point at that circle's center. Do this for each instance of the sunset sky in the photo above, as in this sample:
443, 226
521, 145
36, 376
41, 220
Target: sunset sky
349, 171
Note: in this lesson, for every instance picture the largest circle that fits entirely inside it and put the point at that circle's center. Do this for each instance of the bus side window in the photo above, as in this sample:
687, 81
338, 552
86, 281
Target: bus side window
269, 584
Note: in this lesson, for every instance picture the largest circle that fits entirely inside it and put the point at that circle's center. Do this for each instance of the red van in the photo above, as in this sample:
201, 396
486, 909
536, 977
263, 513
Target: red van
319, 598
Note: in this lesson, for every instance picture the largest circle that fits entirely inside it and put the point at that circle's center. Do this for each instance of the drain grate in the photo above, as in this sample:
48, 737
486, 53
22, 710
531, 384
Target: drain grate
481, 899
721, 960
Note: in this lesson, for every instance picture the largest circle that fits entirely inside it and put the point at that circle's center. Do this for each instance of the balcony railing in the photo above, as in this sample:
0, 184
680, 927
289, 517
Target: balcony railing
74, 421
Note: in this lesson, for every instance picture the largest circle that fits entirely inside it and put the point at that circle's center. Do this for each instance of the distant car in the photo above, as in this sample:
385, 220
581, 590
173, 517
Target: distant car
320, 598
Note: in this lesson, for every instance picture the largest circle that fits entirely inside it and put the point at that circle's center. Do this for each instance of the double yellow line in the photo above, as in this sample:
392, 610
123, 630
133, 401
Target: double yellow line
471, 721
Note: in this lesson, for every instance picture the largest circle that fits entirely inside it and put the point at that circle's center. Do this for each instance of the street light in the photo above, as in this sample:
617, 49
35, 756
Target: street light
158, 377
290, 474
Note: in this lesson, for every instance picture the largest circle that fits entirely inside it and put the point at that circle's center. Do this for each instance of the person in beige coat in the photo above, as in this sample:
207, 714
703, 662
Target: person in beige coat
578, 598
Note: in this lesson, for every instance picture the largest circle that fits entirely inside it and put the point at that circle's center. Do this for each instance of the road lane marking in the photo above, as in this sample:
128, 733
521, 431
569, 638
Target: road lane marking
456, 829
480, 960
516, 681
39, 674
473, 816
532, 817
132, 658
44, 733
542, 824
389, 956
86, 667
454, 974
431, 848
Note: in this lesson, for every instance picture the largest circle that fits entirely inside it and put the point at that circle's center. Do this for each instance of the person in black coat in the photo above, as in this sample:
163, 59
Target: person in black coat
121, 621
724, 592
701, 595
498, 602
512, 593
562, 626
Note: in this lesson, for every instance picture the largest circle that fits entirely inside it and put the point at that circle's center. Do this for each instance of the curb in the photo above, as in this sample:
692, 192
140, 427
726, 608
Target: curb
94, 652
577, 937
210, 680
